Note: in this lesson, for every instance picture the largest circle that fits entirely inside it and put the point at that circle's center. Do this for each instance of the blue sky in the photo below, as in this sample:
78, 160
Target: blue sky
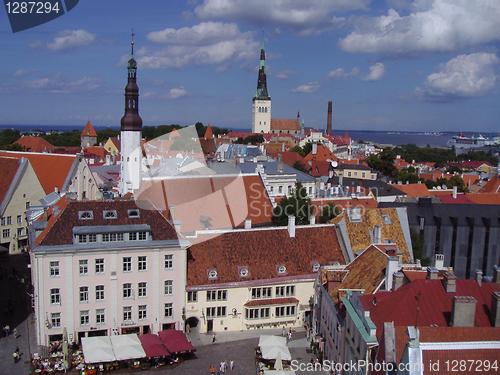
396, 64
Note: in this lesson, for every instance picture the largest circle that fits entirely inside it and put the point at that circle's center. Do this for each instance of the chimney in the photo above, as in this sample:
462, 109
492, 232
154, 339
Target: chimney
450, 282
312, 219
479, 277
291, 226
282, 147
439, 261
455, 191
432, 273
280, 164
248, 223
495, 309
496, 274
341, 180
391, 269
177, 226
377, 236
329, 118
463, 312
314, 148
397, 280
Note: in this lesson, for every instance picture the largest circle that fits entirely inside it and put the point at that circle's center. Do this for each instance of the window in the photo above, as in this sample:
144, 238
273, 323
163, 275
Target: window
143, 312
127, 290
55, 320
132, 236
280, 189
141, 289
84, 266
127, 264
84, 317
387, 219
85, 215
265, 292
169, 311
192, 296
142, 236
285, 291
216, 312
99, 265
284, 311
109, 214
212, 274
54, 268
262, 313
281, 269
92, 237
141, 263
55, 296
99, 292
119, 236
9, 220
168, 287
82, 238
20, 231
27, 205
169, 261
99, 316
19, 219
6, 233
127, 313
84, 294
133, 213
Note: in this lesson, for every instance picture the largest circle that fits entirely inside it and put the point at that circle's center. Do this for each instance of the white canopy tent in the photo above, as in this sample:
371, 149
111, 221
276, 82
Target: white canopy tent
97, 349
273, 352
269, 340
127, 347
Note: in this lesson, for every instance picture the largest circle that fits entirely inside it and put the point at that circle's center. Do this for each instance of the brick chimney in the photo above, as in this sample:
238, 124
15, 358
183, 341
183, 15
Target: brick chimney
432, 273
455, 192
248, 223
329, 118
439, 261
496, 274
495, 309
398, 279
463, 313
450, 282
479, 277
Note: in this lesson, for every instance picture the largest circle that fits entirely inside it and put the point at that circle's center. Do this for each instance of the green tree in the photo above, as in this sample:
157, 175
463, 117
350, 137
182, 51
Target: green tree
253, 139
418, 248
329, 212
298, 165
297, 204
9, 136
297, 149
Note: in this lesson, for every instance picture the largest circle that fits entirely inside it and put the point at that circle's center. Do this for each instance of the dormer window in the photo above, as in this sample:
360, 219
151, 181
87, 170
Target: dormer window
281, 270
387, 219
212, 274
109, 214
85, 215
133, 213
316, 267
243, 272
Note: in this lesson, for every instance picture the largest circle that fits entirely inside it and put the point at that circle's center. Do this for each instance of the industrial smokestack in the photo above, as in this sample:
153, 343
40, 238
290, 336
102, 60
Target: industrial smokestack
329, 118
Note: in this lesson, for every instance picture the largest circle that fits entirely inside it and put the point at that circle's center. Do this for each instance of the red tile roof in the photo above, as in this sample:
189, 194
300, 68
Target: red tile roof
290, 158
484, 198
474, 360
492, 186
98, 152
322, 154
262, 252
271, 301
434, 303
285, 124
9, 167
209, 134
318, 168
60, 231
459, 334
88, 130
413, 190
51, 169
34, 144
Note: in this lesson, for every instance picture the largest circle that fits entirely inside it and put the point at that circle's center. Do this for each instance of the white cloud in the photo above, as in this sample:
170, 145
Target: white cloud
340, 73
463, 76
205, 43
304, 15
71, 39
21, 72
307, 88
58, 85
432, 25
284, 74
177, 92
376, 72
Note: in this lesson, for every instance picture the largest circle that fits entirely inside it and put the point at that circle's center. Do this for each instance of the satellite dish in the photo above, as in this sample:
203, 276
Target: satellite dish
334, 164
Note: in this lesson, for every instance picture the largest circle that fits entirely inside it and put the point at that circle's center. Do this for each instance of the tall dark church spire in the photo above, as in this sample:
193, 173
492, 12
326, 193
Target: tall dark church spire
131, 121
261, 92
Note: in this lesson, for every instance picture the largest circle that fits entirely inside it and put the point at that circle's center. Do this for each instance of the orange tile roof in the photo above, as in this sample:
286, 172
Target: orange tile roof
209, 133
98, 151
473, 359
34, 144
413, 190
285, 124
51, 169
262, 251
88, 130
322, 154
9, 167
484, 198
492, 186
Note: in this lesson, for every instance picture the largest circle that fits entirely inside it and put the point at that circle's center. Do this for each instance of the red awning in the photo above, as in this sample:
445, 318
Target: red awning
176, 341
153, 346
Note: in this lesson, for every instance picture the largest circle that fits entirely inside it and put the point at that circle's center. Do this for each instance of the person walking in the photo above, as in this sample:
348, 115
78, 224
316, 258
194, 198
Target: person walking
211, 369
213, 338
231, 364
14, 331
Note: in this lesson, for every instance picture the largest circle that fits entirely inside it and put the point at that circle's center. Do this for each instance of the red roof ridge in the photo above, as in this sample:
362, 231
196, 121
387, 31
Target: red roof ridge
88, 130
